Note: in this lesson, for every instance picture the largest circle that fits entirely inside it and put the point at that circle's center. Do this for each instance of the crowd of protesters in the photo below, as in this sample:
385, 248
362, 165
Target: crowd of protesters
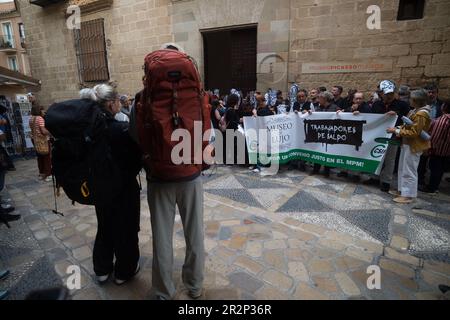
408, 155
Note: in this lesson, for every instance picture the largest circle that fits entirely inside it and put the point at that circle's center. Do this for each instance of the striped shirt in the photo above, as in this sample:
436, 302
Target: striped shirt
38, 124
440, 136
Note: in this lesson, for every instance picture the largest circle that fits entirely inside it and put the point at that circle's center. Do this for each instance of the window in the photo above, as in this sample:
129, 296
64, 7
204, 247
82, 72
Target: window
90, 49
22, 35
8, 38
21, 31
410, 9
12, 62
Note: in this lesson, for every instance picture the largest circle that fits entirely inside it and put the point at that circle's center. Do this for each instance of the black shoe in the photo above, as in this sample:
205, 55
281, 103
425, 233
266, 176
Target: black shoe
385, 187
426, 189
443, 288
11, 169
371, 181
342, 174
302, 168
120, 282
4, 274
355, 178
6, 210
9, 217
314, 172
326, 173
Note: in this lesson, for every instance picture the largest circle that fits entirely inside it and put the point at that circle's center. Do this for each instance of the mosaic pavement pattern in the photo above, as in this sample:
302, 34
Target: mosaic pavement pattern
286, 236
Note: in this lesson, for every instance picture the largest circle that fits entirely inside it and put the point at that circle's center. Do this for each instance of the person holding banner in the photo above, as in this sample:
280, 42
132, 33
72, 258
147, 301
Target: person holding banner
391, 106
413, 145
326, 104
358, 106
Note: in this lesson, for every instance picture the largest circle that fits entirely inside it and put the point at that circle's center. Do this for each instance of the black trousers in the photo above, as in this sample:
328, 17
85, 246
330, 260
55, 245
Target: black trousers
422, 169
437, 169
117, 233
317, 168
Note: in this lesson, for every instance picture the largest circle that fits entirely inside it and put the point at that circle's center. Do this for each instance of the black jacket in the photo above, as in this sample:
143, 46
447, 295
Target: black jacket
400, 107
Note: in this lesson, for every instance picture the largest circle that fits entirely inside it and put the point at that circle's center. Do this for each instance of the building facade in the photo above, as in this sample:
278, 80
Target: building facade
250, 44
13, 54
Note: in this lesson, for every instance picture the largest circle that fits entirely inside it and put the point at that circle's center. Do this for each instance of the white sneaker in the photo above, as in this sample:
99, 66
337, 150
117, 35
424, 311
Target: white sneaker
257, 170
48, 179
120, 281
102, 279
5, 205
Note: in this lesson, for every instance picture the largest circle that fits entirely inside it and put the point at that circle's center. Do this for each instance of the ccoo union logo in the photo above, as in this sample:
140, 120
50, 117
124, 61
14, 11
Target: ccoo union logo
378, 151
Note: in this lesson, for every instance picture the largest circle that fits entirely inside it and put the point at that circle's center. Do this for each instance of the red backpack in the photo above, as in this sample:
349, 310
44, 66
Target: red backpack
172, 99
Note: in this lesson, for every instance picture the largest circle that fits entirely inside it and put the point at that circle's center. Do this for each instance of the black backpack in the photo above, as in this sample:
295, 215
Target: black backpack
80, 149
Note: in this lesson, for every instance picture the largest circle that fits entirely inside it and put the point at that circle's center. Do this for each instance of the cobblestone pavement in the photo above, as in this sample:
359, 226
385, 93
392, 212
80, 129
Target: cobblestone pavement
288, 236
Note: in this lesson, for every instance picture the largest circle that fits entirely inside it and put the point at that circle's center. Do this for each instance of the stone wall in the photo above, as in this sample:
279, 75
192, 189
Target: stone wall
329, 30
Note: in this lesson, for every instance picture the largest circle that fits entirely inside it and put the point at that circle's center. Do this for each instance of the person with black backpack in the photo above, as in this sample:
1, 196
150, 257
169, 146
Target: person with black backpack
118, 208
96, 162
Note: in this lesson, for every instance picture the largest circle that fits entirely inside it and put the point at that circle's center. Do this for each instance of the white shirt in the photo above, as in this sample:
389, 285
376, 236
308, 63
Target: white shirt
120, 116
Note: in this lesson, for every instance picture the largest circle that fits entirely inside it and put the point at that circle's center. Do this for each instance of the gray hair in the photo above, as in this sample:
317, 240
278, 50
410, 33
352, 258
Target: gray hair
327, 95
419, 96
100, 93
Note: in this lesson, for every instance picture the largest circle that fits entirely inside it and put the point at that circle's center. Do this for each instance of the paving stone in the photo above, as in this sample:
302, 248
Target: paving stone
346, 263
224, 253
74, 242
237, 242
279, 235
82, 227
248, 264
325, 284
47, 243
274, 244
65, 233
332, 244
437, 267
400, 219
304, 236
41, 234
359, 254
245, 282
275, 258
346, 284
278, 279
403, 257
254, 249
397, 268
305, 292
222, 294
298, 271
435, 279
320, 266
298, 255
313, 228
229, 223
399, 243
82, 253
295, 243
87, 294
270, 293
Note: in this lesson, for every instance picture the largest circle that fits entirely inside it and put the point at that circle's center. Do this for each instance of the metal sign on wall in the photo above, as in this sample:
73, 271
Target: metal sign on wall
384, 65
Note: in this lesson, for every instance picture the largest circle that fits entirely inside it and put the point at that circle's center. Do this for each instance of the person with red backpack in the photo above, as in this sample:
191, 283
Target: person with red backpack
173, 99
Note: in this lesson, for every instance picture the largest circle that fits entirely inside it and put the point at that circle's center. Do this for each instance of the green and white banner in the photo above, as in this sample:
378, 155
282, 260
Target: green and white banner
354, 142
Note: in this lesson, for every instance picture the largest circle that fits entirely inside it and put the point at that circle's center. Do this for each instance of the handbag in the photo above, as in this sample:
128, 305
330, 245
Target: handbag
40, 141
